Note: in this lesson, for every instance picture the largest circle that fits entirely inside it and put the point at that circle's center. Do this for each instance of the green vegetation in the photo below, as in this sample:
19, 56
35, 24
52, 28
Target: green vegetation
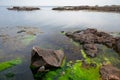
28, 39
75, 43
63, 32
87, 69
9, 64
74, 71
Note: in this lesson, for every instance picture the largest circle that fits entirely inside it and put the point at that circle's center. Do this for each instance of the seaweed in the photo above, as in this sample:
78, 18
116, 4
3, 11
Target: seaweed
28, 39
8, 64
75, 71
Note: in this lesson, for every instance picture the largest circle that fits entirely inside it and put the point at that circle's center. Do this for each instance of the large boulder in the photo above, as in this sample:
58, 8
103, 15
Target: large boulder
45, 59
108, 72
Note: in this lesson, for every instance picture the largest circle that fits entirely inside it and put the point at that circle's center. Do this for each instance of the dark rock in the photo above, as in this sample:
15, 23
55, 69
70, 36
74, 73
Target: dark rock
102, 34
69, 34
62, 31
108, 72
90, 37
23, 8
90, 49
117, 46
86, 38
45, 59
93, 31
115, 8
21, 31
77, 31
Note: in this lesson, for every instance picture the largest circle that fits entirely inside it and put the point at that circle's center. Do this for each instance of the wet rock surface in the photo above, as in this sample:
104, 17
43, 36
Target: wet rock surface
45, 59
89, 37
108, 72
23, 8
90, 49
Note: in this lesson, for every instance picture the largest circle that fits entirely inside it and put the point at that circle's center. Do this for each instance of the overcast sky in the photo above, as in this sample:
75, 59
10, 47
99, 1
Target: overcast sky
58, 2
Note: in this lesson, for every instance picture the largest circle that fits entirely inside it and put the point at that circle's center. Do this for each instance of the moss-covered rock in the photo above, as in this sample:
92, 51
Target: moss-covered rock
73, 71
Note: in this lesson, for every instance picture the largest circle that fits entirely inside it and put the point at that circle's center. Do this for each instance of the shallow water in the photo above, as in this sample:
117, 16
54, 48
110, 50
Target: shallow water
50, 24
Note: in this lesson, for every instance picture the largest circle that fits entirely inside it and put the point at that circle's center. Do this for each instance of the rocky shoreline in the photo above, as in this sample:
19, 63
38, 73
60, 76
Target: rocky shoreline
51, 64
90, 37
112, 8
16, 8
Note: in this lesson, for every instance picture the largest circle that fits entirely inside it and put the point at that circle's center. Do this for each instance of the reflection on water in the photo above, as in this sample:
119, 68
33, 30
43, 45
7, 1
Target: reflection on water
65, 19
50, 23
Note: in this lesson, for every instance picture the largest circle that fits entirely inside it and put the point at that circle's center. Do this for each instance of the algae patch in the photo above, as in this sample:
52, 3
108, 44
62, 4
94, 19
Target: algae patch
74, 70
28, 39
9, 64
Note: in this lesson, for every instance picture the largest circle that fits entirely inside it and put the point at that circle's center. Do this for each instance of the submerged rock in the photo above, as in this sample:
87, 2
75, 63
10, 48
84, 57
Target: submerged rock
45, 59
108, 72
89, 37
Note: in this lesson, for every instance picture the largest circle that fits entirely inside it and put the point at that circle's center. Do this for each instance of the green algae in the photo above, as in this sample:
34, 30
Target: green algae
9, 64
28, 39
74, 71
63, 32
75, 43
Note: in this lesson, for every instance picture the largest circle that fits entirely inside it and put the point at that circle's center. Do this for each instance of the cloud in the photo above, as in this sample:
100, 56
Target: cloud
58, 2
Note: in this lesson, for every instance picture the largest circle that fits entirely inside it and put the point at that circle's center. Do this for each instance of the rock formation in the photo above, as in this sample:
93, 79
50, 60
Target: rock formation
108, 72
23, 8
45, 59
90, 37
112, 8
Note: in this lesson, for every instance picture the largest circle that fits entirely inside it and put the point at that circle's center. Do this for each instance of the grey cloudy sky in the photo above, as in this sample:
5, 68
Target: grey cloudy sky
58, 2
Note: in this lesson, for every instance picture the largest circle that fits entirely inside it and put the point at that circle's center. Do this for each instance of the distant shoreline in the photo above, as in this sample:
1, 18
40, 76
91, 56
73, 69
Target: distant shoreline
107, 8
23, 8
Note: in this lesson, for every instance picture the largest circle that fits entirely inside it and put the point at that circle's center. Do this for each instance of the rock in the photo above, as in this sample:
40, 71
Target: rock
69, 34
62, 31
89, 30
86, 38
23, 8
21, 31
112, 8
79, 31
45, 59
90, 49
108, 72
117, 46
90, 37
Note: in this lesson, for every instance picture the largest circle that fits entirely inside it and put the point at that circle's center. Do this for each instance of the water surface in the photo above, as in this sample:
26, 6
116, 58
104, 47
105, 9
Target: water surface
50, 23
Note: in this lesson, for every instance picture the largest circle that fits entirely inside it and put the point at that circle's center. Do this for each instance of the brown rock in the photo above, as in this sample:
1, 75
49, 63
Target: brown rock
118, 45
69, 34
46, 58
91, 37
108, 72
90, 49
89, 30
